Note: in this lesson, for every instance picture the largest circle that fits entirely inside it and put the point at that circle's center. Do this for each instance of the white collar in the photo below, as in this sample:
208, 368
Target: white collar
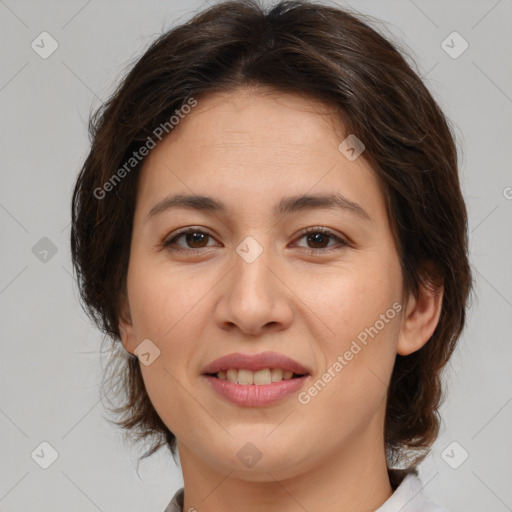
408, 497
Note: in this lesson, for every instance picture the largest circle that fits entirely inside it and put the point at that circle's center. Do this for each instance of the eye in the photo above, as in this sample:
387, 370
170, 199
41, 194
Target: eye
319, 236
195, 237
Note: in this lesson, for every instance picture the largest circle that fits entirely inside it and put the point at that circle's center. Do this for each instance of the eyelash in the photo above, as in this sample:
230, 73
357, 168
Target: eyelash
318, 229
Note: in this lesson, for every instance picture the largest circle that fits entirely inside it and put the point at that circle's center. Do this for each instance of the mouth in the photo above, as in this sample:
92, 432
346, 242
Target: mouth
256, 380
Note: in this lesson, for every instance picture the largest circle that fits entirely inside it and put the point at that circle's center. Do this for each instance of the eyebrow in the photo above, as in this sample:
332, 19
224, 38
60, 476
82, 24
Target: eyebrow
285, 206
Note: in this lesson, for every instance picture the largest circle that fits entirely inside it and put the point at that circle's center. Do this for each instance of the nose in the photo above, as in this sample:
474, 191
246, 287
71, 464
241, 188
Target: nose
254, 297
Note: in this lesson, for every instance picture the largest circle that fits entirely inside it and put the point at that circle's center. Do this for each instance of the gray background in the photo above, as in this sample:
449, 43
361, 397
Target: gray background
50, 365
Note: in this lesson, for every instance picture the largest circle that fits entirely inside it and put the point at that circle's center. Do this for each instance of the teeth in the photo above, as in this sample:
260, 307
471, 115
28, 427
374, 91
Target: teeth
277, 374
259, 378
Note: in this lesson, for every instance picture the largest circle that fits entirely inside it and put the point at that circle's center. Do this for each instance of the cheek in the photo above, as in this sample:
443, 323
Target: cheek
166, 308
361, 307
352, 386
164, 301
352, 297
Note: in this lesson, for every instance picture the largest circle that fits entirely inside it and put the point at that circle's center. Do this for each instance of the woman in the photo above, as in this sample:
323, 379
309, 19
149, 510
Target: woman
270, 222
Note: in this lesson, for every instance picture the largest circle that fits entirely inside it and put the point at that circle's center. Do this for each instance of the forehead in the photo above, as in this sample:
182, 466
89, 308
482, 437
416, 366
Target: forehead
253, 145
259, 119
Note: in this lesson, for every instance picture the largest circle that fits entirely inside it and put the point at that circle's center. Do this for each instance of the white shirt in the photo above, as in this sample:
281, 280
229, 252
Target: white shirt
408, 497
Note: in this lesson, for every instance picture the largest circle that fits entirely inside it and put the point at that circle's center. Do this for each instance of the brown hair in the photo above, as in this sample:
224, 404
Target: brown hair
327, 53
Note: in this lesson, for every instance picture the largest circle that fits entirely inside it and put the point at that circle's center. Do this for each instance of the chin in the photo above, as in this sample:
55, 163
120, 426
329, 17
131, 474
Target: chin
251, 459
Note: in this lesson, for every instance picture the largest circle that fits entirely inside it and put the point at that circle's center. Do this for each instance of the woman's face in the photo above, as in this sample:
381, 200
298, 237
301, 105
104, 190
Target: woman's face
251, 281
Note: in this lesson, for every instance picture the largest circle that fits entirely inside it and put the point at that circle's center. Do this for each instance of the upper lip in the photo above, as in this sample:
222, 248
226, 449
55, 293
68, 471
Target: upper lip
255, 362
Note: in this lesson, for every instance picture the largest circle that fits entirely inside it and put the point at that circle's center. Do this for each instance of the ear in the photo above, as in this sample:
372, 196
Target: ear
126, 327
420, 318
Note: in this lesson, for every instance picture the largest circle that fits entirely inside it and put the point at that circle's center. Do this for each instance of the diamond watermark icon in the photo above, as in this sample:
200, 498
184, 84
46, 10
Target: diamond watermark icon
454, 45
44, 250
249, 249
351, 147
44, 455
249, 455
44, 45
454, 455
147, 352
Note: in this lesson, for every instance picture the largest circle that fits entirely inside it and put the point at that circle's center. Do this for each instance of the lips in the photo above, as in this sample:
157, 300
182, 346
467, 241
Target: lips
256, 396
255, 362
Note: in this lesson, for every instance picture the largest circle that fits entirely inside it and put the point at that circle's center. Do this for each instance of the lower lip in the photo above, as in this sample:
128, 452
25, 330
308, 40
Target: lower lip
251, 395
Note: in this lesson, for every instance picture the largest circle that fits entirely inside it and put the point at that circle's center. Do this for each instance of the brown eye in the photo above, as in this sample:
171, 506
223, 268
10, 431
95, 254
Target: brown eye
194, 239
318, 239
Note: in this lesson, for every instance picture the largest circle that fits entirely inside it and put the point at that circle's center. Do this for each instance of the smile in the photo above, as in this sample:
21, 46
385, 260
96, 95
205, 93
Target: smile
258, 378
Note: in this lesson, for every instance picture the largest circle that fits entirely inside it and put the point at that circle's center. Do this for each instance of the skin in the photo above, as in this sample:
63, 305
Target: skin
249, 149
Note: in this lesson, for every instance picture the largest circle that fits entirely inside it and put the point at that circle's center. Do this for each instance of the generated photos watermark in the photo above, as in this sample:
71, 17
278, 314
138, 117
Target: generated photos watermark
344, 359
138, 156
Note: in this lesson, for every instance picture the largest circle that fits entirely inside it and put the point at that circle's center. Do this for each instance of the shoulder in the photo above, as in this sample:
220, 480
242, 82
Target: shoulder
409, 496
